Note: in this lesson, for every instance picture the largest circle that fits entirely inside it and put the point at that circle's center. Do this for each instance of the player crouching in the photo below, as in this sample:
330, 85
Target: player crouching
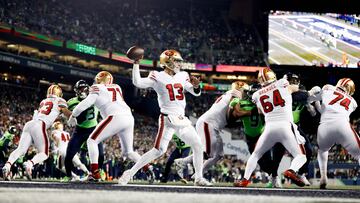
35, 131
275, 102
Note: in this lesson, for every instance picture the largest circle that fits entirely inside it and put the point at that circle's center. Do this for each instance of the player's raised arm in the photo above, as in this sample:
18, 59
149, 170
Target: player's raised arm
192, 85
140, 82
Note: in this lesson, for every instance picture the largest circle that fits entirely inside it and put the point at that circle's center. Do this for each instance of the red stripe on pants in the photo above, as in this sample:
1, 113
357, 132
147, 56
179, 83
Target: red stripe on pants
45, 138
302, 149
356, 135
160, 132
101, 127
207, 138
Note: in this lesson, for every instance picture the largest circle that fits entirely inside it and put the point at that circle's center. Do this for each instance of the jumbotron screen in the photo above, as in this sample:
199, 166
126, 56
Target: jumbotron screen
326, 40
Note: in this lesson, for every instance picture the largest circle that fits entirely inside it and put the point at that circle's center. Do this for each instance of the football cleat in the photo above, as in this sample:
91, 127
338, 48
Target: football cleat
266, 76
94, 177
6, 171
294, 177
125, 178
347, 85
54, 90
104, 77
28, 170
305, 180
323, 183
180, 166
202, 182
242, 183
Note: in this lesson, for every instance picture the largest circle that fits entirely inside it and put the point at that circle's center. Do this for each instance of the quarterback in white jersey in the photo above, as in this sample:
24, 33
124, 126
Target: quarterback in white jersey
35, 131
117, 119
275, 102
170, 86
62, 139
209, 125
336, 106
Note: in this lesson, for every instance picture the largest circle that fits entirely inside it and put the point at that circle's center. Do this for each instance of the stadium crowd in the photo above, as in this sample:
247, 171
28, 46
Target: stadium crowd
17, 105
193, 30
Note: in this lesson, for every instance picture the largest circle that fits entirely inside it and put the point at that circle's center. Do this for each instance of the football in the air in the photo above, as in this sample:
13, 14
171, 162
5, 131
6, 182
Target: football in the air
135, 53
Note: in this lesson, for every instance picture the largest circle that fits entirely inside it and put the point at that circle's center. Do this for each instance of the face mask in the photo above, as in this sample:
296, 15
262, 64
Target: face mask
83, 95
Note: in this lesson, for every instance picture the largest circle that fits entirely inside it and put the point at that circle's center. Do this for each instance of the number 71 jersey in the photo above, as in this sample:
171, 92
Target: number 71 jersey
275, 101
336, 104
110, 100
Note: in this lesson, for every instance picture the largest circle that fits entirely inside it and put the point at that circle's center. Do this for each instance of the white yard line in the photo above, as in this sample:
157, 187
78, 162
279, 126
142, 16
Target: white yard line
307, 49
291, 53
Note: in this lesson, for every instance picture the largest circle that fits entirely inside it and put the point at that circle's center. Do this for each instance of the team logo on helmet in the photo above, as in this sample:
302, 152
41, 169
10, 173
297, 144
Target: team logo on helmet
266, 76
54, 90
171, 59
104, 77
347, 85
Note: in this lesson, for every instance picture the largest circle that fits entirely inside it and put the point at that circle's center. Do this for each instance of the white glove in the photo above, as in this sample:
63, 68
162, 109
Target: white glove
72, 122
314, 91
35, 114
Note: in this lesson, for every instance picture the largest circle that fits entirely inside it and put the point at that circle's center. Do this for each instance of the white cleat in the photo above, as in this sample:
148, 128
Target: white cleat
125, 178
305, 180
180, 166
6, 172
276, 182
28, 170
202, 182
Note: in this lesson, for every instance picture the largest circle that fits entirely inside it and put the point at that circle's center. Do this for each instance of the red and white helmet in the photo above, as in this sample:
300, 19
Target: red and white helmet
347, 85
266, 76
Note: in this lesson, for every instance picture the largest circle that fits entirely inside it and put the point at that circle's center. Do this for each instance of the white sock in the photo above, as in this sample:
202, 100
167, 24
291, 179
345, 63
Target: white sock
323, 160
93, 150
145, 159
298, 162
38, 158
188, 159
251, 165
198, 161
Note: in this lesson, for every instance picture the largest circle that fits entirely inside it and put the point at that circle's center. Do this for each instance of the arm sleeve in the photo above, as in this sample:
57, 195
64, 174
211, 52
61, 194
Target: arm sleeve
85, 104
142, 82
190, 88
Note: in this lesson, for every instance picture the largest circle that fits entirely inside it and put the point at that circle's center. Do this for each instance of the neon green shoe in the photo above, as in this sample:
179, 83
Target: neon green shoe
103, 175
66, 179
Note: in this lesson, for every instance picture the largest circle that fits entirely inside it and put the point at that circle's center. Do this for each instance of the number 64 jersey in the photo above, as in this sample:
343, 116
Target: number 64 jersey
275, 101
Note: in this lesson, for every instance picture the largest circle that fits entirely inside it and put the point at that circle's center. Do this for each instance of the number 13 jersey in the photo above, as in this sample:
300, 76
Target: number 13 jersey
171, 91
275, 101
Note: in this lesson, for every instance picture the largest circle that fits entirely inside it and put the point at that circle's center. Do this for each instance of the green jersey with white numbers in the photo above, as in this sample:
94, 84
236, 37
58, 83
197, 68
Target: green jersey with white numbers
88, 118
253, 125
179, 143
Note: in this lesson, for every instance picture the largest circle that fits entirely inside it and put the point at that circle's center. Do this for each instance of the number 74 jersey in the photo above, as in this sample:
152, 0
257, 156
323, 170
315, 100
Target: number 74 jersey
335, 105
275, 101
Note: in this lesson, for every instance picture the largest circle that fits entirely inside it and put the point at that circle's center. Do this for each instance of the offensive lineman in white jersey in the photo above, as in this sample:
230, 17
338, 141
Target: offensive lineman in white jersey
275, 102
336, 107
118, 120
209, 125
62, 139
170, 86
35, 131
